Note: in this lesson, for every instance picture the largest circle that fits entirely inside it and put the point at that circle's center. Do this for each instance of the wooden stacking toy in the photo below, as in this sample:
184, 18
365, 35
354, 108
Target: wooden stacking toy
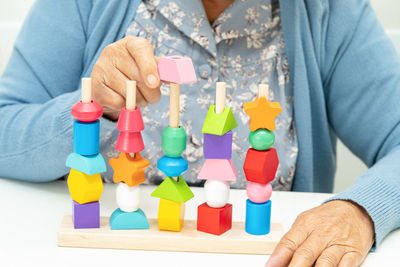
261, 161
86, 163
215, 215
173, 191
129, 167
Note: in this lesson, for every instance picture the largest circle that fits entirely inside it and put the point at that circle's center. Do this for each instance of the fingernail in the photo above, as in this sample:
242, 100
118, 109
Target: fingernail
151, 79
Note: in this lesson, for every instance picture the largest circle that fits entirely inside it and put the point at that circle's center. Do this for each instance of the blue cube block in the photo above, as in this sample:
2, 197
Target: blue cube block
258, 217
218, 146
172, 167
86, 137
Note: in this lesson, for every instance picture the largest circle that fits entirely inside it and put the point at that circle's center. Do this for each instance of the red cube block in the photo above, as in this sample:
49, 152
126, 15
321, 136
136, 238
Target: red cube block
261, 166
214, 221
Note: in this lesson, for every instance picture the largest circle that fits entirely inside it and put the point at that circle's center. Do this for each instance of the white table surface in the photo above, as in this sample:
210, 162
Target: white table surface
31, 215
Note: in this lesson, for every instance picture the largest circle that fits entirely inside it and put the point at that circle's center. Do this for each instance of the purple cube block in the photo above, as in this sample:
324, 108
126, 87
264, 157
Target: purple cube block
218, 146
86, 215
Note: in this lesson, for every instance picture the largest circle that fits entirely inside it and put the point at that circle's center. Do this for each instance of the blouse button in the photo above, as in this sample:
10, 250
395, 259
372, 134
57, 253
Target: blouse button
205, 71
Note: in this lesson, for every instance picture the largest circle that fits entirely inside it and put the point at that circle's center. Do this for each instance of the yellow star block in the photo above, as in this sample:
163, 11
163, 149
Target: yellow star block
129, 170
262, 113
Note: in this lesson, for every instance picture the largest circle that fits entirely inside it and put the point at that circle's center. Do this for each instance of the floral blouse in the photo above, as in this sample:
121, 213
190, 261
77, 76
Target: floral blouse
243, 47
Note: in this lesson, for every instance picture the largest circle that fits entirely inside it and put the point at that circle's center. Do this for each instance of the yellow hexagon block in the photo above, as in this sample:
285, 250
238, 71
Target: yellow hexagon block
84, 188
170, 215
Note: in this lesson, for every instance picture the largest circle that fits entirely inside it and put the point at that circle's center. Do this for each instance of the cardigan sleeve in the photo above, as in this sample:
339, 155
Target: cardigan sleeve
39, 85
361, 76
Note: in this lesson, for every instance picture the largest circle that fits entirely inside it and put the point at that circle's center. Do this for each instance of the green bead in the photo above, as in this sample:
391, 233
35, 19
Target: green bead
262, 139
173, 141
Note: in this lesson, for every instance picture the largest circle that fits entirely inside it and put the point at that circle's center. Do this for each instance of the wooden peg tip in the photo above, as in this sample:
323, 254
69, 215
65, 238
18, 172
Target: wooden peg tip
86, 90
130, 95
263, 90
220, 97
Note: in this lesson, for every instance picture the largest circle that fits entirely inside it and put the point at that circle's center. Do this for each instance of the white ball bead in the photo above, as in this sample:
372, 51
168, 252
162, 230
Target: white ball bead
216, 193
128, 198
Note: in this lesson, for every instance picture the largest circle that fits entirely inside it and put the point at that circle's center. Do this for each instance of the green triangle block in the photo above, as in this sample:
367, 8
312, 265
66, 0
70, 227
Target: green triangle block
219, 124
174, 191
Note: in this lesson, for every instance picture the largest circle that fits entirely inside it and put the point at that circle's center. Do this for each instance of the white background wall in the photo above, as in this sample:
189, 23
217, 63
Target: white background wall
13, 12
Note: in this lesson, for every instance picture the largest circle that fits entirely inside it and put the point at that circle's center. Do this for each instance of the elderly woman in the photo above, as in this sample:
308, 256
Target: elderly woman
328, 62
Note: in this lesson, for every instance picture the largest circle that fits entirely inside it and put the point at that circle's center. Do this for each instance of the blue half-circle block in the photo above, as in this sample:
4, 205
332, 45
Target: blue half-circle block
86, 164
86, 137
258, 217
120, 220
172, 167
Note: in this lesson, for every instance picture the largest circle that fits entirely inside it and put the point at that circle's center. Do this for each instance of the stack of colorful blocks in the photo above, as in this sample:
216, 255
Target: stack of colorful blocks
86, 163
261, 162
215, 215
173, 191
129, 167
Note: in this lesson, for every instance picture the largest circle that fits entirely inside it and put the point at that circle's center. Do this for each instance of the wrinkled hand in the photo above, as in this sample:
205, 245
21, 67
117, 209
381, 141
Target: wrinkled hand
131, 58
337, 233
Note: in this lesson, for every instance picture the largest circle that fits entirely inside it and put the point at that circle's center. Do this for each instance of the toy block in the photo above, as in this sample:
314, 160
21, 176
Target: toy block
261, 166
218, 169
218, 146
170, 215
87, 112
121, 220
130, 142
262, 113
176, 69
216, 193
214, 221
86, 137
172, 167
173, 141
87, 164
84, 188
130, 120
175, 191
86, 215
261, 139
259, 193
219, 124
258, 217
128, 198
129, 170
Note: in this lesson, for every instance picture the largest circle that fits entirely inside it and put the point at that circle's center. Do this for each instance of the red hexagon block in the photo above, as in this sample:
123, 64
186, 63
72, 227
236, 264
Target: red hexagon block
87, 112
130, 120
214, 221
260, 166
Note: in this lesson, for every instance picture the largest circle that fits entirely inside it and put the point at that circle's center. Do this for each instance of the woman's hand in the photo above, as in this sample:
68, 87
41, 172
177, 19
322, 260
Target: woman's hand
131, 58
337, 233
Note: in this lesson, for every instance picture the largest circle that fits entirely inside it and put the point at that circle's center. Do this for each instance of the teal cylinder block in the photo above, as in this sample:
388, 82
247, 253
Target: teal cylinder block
173, 141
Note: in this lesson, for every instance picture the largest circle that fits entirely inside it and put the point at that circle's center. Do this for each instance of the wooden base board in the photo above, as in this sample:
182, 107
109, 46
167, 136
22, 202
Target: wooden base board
189, 239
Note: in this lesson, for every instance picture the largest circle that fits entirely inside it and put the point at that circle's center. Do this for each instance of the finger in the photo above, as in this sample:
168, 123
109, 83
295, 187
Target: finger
330, 257
142, 52
140, 100
350, 259
151, 95
308, 252
115, 80
112, 101
286, 247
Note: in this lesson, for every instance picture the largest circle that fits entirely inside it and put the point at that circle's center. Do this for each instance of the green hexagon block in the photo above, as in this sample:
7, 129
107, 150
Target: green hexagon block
175, 191
262, 139
219, 124
173, 141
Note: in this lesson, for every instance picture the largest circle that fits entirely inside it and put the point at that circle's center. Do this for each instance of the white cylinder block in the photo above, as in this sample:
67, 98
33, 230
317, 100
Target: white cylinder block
128, 198
216, 193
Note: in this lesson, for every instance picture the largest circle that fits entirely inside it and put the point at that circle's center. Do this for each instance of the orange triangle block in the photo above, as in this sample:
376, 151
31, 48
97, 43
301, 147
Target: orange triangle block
129, 170
218, 169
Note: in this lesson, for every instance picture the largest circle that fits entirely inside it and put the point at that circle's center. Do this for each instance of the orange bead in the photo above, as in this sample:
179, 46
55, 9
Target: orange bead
129, 170
262, 113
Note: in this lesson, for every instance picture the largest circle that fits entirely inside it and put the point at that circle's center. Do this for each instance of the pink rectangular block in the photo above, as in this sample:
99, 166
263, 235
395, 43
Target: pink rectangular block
176, 69
218, 169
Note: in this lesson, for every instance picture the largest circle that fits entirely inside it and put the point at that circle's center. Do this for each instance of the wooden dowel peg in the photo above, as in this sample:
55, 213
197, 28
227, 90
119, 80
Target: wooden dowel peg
263, 90
130, 95
86, 90
220, 97
174, 105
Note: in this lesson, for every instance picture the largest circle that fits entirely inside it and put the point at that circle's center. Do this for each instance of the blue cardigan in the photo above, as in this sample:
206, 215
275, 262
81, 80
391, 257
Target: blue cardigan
344, 69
